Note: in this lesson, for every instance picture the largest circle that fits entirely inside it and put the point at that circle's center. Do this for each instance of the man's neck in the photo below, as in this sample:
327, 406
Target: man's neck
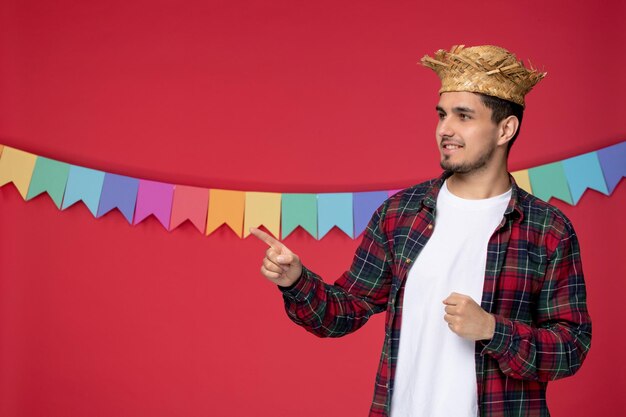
479, 185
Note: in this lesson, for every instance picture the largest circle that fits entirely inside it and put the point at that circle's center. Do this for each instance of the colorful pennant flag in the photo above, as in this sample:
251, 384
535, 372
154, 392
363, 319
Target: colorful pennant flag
584, 172
119, 192
83, 184
154, 198
226, 207
334, 209
365, 204
523, 181
549, 181
613, 162
299, 210
262, 209
190, 203
49, 176
17, 167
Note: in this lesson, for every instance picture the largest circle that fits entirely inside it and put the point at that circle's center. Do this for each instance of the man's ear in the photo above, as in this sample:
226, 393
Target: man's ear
507, 129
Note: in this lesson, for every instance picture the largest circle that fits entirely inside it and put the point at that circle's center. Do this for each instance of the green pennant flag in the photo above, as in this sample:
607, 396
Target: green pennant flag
49, 176
550, 181
299, 210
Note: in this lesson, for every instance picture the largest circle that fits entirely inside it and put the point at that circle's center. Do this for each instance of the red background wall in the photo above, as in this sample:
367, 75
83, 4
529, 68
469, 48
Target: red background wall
101, 318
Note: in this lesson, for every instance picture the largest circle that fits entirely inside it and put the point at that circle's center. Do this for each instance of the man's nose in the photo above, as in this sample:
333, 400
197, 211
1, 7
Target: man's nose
444, 128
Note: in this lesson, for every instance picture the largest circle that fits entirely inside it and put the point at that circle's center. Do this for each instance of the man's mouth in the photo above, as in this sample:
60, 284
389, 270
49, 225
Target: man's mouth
451, 146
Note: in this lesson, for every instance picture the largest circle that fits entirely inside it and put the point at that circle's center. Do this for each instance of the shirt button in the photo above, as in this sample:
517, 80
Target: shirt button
430, 227
408, 261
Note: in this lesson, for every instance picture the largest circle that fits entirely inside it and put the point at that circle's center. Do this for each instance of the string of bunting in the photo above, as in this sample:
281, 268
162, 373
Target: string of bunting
280, 213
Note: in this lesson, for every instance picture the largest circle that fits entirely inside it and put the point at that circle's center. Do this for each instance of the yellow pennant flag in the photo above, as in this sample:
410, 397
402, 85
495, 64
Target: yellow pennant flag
262, 209
522, 179
225, 206
17, 167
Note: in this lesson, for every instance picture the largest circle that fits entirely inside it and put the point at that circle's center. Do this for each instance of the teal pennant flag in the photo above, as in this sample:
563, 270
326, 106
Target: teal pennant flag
334, 209
549, 181
299, 210
84, 184
49, 176
584, 172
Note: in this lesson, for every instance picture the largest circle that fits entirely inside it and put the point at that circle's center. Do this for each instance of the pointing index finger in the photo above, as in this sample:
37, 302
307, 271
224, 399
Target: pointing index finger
269, 240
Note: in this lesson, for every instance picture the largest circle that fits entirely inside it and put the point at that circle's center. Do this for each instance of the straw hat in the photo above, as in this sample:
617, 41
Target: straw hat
483, 69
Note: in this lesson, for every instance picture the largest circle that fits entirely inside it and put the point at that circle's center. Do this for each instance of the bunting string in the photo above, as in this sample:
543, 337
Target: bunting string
280, 213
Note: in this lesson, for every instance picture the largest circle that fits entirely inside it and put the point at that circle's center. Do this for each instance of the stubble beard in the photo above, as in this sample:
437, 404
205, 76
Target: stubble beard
468, 166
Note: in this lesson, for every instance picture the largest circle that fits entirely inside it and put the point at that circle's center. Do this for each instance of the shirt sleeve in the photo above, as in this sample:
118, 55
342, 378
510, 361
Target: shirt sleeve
336, 310
558, 340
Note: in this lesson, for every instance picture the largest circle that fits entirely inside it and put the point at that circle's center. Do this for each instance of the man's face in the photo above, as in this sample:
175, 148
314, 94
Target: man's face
466, 135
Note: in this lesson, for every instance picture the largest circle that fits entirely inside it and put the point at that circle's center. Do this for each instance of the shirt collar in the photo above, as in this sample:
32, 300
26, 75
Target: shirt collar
513, 209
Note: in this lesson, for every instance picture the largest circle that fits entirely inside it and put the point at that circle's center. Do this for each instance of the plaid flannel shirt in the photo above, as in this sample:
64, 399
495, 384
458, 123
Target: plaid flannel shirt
533, 285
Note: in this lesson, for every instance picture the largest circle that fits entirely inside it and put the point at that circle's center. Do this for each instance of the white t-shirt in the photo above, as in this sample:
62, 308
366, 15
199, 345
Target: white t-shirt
435, 374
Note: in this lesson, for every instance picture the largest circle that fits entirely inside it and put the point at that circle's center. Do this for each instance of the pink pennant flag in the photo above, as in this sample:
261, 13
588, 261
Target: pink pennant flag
154, 198
190, 203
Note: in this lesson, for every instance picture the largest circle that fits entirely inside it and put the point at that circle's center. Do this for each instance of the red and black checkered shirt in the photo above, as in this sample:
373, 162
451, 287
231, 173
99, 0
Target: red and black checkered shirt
533, 286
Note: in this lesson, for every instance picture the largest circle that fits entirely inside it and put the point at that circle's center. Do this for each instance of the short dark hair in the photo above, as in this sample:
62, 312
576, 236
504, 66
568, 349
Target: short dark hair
501, 109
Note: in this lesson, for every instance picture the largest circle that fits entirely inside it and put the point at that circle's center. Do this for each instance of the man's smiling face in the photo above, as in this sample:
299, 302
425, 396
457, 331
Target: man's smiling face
466, 135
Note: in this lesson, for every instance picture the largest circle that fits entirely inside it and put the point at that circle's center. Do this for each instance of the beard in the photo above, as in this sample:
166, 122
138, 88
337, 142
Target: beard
468, 166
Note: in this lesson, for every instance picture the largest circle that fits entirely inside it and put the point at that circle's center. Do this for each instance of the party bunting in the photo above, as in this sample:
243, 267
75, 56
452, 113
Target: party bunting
226, 207
119, 192
84, 184
334, 209
364, 206
17, 167
262, 209
154, 198
190, 203
317, 214
299, 210
49, 176
613, 162
584, 172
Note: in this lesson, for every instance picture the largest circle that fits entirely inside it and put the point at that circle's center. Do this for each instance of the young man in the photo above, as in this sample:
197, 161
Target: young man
481, 282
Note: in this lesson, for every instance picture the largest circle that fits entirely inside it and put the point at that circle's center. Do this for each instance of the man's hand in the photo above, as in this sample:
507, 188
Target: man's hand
280, 265
467, 319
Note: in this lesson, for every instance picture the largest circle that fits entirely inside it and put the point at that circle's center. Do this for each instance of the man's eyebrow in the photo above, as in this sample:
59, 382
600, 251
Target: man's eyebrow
458, 109
462, 109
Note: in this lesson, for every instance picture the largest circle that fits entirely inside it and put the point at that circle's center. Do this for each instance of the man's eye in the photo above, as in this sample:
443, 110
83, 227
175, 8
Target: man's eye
441, 116
463, 116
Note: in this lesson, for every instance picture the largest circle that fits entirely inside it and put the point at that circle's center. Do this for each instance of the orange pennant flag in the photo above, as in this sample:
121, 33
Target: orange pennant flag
17, 167
225, 206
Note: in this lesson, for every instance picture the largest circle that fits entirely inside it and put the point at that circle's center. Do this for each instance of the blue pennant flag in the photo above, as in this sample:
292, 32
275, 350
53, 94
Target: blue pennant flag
365, 204
613, 162
584, 172
334, 209
119, 192
83, 184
